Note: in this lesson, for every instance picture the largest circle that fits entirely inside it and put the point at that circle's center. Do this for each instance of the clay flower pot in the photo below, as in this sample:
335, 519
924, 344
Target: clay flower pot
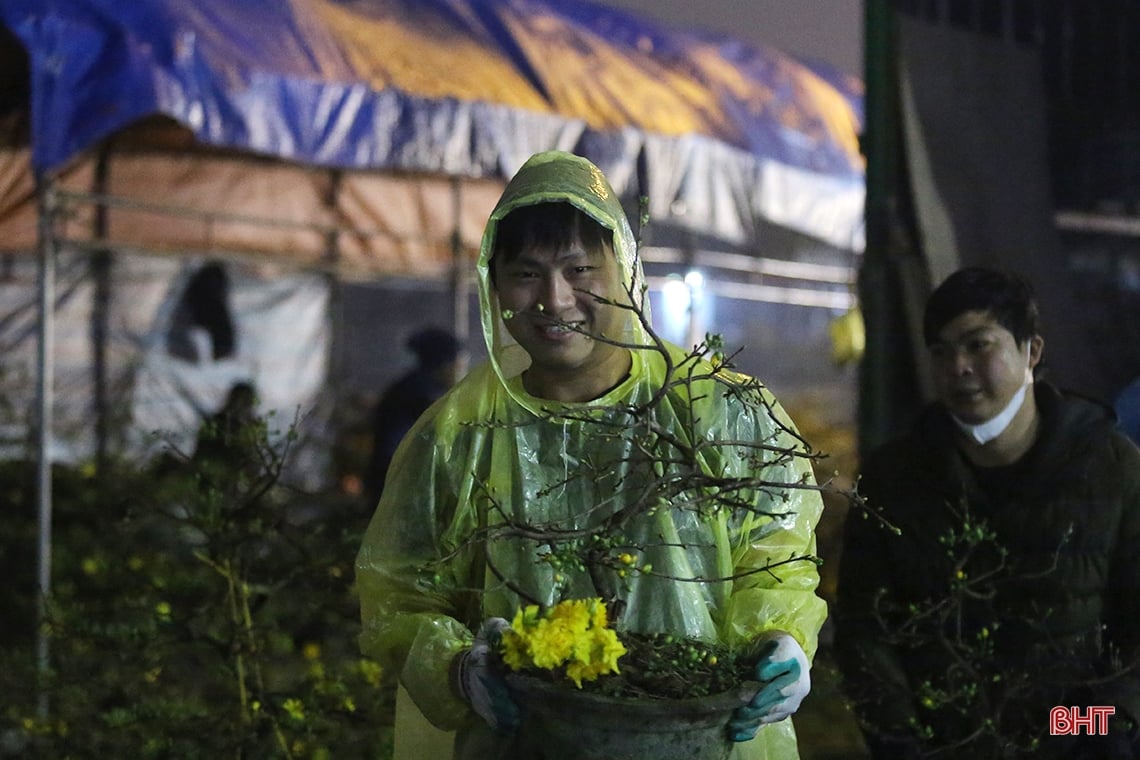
561, 722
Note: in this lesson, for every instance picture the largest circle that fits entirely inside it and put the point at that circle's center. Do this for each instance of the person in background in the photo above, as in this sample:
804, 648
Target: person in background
400, 405
202, 328
231, 440
1012, 585
560, 292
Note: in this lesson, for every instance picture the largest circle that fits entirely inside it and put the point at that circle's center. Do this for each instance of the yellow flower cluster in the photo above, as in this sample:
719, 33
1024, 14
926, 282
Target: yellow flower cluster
572, 633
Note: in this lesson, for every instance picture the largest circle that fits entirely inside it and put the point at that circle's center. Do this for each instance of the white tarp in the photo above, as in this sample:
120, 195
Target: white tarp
281, 344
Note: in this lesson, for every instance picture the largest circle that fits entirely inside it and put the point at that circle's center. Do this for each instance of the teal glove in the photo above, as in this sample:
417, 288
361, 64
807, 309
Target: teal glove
785, 674
480, 681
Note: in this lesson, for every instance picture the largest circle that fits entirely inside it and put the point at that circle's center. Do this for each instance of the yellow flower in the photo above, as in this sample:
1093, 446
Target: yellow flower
371, 671
551, 642
514, 651
579, 671
572, 634
611, 650
599, 618
573, 614
295, 708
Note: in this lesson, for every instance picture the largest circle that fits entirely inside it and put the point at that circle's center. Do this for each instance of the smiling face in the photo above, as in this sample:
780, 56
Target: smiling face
978, 365
551, 293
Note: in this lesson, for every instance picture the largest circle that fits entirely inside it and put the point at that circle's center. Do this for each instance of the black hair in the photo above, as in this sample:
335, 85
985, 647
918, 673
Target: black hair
1006, 296
554, 225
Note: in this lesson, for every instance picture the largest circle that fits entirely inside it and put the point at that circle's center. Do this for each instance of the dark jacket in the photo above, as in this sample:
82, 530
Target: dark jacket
399, 407
1005, 592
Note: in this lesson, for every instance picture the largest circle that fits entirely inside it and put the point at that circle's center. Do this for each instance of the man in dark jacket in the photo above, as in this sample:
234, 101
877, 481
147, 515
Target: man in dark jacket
1001, 578
400, 405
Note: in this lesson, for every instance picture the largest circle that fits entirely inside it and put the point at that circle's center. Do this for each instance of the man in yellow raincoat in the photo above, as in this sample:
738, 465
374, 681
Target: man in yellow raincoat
571, 358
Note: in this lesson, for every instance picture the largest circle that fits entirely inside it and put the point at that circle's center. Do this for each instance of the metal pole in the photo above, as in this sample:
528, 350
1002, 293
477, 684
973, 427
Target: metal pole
100, 318
338, 361
47, 245
874, 274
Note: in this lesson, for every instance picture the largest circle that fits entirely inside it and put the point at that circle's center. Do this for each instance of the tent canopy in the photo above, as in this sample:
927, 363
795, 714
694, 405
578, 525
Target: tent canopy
718, 134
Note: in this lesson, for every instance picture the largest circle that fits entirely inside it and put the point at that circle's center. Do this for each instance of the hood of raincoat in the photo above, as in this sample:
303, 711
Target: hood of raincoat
549, 177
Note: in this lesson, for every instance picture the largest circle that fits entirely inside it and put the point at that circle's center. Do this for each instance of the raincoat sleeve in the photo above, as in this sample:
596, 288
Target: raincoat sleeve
413, 605
782, 597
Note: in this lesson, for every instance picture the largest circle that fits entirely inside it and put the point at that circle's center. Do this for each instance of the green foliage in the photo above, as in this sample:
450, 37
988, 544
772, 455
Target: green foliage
198, 609
981, 701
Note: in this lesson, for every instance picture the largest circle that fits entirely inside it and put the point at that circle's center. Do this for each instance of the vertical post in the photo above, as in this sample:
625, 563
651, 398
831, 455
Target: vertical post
460, 282
874, 274
47, 246
337, 370
100, 318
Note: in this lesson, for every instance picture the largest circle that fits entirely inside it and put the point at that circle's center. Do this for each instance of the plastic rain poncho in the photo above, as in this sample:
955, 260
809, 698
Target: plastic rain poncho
425, 584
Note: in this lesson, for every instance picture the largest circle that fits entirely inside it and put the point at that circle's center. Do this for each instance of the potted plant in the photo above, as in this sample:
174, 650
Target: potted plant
592, 687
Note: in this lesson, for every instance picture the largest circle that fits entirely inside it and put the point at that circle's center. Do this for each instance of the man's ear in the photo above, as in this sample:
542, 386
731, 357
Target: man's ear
1036, 349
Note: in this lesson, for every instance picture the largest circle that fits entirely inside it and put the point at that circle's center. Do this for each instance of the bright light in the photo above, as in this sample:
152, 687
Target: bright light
677, 296
686, 307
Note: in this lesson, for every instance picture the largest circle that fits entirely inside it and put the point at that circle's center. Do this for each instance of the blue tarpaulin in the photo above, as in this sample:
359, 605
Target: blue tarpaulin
460, 87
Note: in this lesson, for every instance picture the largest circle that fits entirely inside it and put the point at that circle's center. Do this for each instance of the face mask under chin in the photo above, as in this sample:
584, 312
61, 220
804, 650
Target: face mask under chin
985, 432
